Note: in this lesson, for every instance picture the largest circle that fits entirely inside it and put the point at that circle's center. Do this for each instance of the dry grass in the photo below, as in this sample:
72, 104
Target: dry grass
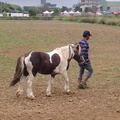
107, 20
101, 100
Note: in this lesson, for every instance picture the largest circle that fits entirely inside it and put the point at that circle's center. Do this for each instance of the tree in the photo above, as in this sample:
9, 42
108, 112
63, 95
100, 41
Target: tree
88, 9
64, 8
32, 12
43, 9
77, 8
9, 7
5, 8
56, 12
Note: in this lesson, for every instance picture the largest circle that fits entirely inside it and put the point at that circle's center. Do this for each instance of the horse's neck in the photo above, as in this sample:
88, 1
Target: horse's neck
65, 52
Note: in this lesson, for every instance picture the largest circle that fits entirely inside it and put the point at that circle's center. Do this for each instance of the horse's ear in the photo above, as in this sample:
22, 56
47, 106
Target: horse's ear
75, 43
77, 46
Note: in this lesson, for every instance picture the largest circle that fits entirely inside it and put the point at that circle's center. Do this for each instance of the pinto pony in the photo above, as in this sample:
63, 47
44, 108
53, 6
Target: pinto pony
54, 62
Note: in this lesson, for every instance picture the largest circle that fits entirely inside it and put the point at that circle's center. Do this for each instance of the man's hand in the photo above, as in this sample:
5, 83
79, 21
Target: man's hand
82, 63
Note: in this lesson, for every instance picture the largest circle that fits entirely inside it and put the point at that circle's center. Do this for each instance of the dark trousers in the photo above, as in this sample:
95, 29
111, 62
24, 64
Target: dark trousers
84, 67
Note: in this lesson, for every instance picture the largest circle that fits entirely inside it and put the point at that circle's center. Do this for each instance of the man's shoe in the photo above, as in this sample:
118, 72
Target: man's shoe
82, 85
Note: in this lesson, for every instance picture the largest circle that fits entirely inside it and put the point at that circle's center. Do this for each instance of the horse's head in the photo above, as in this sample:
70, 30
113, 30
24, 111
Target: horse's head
77, 53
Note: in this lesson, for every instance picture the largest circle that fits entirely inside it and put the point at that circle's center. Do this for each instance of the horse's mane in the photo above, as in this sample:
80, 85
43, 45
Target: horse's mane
64, 50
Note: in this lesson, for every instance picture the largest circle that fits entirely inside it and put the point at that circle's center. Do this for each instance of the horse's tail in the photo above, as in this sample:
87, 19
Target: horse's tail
19, 71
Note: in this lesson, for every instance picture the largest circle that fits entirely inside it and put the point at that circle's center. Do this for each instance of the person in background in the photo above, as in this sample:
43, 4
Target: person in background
86, 65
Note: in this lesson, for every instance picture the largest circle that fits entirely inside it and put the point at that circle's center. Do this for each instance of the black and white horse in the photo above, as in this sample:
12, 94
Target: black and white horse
54, 62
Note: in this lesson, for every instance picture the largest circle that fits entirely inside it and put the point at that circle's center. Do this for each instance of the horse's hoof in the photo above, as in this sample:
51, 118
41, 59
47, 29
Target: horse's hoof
31, 97
68, 92
18, 94
49, 95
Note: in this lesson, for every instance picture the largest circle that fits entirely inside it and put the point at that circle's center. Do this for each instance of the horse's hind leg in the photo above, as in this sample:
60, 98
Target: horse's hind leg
29, 87
20, 86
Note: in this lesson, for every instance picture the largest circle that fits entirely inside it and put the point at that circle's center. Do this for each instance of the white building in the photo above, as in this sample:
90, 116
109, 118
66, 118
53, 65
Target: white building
16, 14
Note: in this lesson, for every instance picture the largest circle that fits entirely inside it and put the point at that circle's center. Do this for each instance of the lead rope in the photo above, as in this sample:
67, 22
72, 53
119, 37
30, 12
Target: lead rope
69, 58
69, 53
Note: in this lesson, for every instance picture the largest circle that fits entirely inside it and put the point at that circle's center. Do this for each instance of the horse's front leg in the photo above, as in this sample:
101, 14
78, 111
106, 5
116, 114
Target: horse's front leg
29, 88
66, 87
48, 90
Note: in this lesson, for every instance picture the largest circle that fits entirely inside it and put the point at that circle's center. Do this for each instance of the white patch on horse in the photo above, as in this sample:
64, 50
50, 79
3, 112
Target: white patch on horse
51, 54
31, 77
27, 60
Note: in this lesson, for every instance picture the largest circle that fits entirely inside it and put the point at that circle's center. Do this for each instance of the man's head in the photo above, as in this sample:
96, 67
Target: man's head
86, 34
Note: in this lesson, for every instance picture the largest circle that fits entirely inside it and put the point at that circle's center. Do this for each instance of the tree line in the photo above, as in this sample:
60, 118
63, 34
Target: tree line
5, 7
33, 10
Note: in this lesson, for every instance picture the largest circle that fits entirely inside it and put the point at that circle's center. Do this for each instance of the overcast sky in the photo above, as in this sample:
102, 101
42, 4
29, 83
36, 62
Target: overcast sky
68, 3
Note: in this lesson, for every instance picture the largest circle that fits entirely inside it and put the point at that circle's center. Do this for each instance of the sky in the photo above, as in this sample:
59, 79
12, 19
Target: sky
60, 3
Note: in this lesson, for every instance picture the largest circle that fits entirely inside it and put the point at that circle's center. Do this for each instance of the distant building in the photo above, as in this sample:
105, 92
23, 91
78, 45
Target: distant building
110, 5
102, 5
48, 5
16, 14
43, 2
89, 3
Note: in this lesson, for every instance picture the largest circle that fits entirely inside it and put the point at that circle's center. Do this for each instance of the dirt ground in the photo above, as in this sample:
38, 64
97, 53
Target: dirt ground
101, 101
88, 104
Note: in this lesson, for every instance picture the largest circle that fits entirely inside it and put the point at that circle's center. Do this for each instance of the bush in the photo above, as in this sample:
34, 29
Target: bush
85, 19
91, 19
19, 18
102, 21
74, 18
66, 18
45, 18
112, 22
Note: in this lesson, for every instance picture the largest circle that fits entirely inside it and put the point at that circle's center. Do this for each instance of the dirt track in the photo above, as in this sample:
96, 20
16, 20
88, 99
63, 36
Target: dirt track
88, 104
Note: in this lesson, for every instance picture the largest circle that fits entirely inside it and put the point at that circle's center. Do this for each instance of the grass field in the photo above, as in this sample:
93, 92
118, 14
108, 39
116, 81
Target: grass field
100, 102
